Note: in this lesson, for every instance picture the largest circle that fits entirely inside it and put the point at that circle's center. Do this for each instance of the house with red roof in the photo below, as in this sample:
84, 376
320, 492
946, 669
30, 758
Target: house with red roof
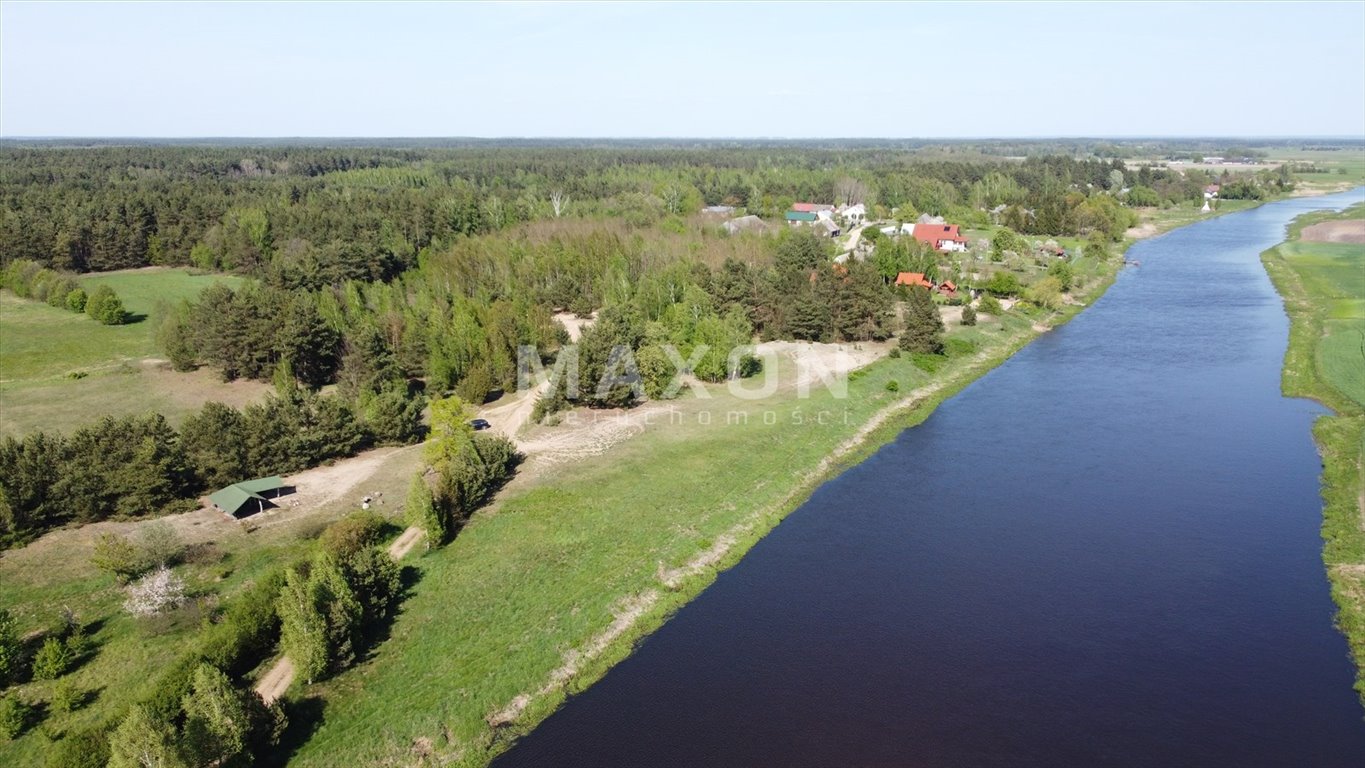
811, 207
940, 237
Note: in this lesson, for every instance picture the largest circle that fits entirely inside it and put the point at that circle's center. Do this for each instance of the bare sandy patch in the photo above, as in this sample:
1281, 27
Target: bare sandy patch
325, 484
324, 491
1346, 231
1143, 230
585, 432
815, 360
575, 324
951, 315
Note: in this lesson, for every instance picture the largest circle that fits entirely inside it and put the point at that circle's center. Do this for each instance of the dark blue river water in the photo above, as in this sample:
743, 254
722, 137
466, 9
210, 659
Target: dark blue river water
1104, 552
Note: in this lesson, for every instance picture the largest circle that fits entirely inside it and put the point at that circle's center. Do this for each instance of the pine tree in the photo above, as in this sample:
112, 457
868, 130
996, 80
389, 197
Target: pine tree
340, 610
15, 714
52, 660
214, 440
808, 318
923, 326
305, 339
968, 315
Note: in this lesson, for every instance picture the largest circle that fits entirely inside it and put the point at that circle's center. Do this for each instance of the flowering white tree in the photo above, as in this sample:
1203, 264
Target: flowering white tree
158, 591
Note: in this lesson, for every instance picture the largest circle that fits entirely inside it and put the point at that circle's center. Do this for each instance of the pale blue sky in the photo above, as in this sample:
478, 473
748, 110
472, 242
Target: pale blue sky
697, 70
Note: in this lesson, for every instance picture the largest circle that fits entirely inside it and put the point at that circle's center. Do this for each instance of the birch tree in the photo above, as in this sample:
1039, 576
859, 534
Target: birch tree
559, 200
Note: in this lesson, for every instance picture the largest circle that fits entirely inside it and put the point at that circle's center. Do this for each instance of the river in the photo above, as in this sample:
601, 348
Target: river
1104, 552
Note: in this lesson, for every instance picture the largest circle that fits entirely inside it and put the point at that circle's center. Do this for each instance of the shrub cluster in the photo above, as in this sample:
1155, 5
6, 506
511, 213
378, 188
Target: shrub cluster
31, 280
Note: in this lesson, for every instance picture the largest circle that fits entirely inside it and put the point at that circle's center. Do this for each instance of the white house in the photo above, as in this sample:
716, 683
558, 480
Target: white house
853, 215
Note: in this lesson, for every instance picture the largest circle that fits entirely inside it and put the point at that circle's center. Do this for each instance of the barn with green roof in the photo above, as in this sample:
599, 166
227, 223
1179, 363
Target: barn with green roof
248, 496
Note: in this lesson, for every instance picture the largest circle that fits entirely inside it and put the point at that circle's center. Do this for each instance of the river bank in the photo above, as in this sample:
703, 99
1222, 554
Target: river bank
1075, 561
1316, 297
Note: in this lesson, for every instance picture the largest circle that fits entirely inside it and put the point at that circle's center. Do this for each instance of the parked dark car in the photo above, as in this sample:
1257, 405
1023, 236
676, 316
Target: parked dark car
479, 424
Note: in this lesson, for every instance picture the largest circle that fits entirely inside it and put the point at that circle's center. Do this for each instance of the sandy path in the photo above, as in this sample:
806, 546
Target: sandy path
276, 681
321, 485
854, 236
404, 543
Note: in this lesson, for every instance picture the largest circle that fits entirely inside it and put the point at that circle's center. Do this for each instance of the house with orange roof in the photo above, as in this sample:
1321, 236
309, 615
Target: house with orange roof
913, 279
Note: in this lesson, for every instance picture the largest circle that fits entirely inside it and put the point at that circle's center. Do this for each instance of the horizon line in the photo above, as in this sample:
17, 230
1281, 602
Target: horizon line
983, 137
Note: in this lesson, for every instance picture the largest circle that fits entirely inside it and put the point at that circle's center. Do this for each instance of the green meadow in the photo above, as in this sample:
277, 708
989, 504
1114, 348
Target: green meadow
60, 369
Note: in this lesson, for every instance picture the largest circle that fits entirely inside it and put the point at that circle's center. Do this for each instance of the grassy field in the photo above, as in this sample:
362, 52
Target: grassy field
1323, 286
59, 369
1345, 166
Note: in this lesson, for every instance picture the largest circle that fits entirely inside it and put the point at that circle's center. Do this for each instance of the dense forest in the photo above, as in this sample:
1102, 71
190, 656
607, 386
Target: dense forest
317, 215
